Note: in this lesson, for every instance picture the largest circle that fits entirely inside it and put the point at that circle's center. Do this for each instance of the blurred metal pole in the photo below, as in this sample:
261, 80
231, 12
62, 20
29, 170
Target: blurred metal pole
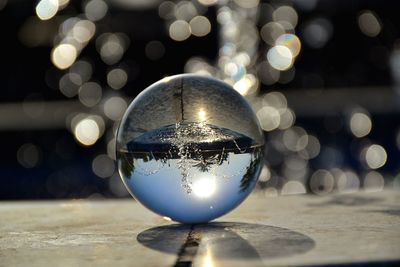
305, 103
320, 102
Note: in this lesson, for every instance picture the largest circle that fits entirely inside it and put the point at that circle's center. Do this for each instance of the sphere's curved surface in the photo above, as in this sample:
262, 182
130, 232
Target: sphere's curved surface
189, 148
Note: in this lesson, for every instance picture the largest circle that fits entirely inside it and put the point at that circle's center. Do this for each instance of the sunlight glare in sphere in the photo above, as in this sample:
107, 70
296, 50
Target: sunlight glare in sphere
202, 115
204, 187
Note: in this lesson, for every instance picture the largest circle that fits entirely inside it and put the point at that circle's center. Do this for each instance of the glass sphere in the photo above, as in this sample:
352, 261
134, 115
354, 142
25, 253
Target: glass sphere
189, 148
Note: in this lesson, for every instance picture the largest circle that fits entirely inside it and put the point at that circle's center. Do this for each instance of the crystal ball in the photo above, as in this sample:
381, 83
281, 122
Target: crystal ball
189, 148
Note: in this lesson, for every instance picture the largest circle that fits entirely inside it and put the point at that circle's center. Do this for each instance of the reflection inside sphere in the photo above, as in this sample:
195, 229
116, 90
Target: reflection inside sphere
189, 148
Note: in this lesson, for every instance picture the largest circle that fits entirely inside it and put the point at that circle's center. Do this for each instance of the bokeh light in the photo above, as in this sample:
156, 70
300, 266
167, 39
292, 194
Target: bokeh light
90, 94
114, 107
103, 166
312, 148
69, 84
3, 4
200, 26
87, 131
347, 181
360, 124
269, 118
117, 78
96, 9
322, 182
208, 2
293, 188
64, 55
267, 74
166, 9
179, 30
375, 156
280, 57
265, 174
83, 31
373, 182
317, 32
83, 69
291, 41
295, 139
369, 23
271, 31
285, 13
116, 186
46, 9
29, 155
112, 46
246, 85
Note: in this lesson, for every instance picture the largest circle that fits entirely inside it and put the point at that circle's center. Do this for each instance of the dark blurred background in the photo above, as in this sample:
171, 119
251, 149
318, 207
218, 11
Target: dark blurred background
323, 77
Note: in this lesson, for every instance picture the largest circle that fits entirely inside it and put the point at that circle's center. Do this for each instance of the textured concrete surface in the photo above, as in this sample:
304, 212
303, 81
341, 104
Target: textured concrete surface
286, 230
